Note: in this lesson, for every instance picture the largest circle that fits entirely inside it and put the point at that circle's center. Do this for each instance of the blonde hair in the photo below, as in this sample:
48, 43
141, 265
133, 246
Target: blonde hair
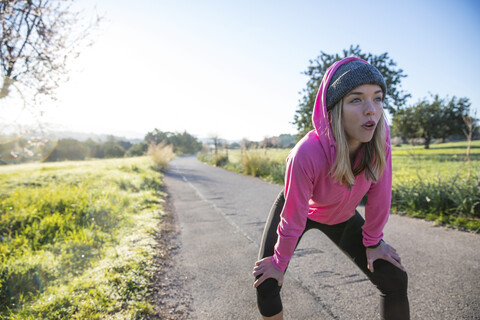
372, 161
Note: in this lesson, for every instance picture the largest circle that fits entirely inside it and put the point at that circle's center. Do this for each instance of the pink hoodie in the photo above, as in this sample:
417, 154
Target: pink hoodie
311, 193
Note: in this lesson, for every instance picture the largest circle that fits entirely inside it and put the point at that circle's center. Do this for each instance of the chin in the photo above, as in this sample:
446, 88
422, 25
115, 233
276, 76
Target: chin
365, 138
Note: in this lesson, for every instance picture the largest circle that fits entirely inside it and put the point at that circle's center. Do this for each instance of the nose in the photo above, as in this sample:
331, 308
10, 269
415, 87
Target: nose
370, 108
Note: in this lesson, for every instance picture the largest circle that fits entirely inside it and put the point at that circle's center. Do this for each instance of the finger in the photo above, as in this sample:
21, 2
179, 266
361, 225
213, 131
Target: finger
259, 262
397, 264
257, 272
393, 252
280, 282
257, 268
397, 257
259, 281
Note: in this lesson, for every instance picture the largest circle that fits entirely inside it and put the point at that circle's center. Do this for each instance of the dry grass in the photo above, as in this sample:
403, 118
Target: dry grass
161, 155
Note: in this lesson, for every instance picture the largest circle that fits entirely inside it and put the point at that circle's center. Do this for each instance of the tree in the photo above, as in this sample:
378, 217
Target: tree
246, 144
404, 124
234, 145
270, 142
182, 143
137, 150
156, 137
394, 100
217, 142
287, 140
432, 119
38, 38
453, 115
113, 150
67, 149
126, 145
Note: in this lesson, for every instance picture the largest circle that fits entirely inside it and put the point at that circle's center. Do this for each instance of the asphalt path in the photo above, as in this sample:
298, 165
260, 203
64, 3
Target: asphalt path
221, 216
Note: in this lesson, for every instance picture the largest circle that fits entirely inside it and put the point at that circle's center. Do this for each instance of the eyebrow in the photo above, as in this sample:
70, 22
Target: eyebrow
360, 93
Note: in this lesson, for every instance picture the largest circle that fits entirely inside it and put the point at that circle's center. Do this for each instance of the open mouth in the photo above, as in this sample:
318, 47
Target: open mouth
369, 125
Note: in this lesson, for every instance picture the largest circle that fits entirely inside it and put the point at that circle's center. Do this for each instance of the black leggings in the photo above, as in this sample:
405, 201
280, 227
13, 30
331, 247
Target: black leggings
390, 280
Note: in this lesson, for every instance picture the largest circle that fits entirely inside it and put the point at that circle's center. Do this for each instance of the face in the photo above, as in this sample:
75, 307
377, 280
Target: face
362, 109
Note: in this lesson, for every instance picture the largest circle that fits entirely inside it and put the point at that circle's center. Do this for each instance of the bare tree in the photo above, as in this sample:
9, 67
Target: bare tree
217, 141
38, 38
470, 125
270, 142
245, 144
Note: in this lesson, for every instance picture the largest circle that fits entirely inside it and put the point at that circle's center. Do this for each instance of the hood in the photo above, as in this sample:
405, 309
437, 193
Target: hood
320, 119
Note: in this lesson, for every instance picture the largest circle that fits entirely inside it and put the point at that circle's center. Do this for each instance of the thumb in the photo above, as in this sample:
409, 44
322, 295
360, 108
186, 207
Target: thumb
370, 265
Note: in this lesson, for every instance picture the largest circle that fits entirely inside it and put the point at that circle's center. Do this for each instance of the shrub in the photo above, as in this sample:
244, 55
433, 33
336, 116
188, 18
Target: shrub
277, 172
251, 163
161, 155
255, 164
453, 200
220, 160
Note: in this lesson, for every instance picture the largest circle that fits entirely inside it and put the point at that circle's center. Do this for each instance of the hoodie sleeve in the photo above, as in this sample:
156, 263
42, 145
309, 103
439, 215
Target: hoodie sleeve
377, 208
299, 179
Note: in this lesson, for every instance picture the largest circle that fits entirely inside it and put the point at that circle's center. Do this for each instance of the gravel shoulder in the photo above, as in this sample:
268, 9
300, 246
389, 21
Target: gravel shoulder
170, 296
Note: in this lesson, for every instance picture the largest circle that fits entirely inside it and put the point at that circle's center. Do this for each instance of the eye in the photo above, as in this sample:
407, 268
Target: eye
378, 99
355, 100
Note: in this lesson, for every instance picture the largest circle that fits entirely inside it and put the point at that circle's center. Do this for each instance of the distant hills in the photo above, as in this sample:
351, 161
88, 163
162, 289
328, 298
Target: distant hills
82, 136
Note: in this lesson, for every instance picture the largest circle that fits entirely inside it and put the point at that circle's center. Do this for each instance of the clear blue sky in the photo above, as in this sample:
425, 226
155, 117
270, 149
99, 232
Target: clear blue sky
233, 68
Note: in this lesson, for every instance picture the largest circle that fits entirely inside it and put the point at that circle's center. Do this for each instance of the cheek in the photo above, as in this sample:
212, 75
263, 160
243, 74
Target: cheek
379, 113
349, 121
351, 115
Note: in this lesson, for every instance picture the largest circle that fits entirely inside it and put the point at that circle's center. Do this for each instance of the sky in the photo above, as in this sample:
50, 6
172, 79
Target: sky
233, 69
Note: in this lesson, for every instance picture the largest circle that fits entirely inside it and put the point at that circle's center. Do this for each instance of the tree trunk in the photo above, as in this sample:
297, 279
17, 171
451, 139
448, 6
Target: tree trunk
427, 142
7, 82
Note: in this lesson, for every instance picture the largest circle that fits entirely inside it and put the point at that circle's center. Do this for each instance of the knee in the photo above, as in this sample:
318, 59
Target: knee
390, 279
268, 289
268, 298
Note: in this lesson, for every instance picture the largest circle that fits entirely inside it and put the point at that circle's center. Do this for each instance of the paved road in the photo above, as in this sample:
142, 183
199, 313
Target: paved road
221, 217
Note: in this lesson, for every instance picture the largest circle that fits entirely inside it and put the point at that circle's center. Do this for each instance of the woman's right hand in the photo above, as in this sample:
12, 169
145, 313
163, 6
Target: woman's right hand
266, 268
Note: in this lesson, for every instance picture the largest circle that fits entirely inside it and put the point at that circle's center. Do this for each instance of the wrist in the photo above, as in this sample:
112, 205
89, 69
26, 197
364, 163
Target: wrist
376, 245
275, 265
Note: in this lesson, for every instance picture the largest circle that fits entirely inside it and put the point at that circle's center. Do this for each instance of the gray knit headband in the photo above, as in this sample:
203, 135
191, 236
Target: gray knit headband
349, 76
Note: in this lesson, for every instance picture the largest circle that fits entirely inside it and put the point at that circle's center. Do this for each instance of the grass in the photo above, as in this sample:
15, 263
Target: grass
434, 184
77, 239
445, 160
161, 155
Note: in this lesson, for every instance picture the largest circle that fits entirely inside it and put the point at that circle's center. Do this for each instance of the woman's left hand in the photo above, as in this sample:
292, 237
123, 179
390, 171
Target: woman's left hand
265, 269
385, 252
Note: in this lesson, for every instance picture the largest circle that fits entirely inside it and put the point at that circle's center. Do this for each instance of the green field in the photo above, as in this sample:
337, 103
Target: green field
436, 184
77, 239
441, 160
409, 162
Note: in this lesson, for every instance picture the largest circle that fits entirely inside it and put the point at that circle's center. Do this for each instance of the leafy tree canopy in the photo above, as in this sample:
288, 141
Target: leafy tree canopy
432, 118
183, 143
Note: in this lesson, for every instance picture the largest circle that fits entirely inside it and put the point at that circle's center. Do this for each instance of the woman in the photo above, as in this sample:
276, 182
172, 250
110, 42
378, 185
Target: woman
346, 157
